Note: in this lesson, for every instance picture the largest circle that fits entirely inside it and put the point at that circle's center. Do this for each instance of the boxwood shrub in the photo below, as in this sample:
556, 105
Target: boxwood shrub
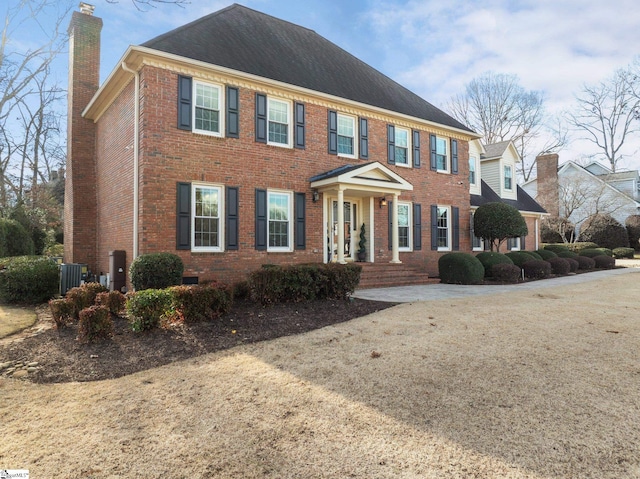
194, 303
460, 268
536, 269
567, 254
546, 254
585, 263
28, 279
506, 272
573, 264
519, 258
605, 262
623, 253
593, 252
559, 266
556, 248
95, 323
156, 271
491, 258
146, 308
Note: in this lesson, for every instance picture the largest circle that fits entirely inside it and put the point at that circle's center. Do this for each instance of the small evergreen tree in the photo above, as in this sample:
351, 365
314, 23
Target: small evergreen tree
495, 222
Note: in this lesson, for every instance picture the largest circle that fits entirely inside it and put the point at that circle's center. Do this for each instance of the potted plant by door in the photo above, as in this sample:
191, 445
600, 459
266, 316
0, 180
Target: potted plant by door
362, 251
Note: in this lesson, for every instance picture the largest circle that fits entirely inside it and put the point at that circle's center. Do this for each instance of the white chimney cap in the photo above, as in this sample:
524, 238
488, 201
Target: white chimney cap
87, 8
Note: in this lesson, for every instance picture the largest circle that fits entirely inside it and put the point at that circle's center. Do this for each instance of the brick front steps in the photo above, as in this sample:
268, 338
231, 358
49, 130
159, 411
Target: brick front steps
384, 275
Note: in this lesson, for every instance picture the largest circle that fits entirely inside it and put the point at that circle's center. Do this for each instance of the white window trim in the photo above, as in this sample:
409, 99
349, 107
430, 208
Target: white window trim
473, 236
449, 229
409, 162
504, 177
355, 135
280, 249
221, 217
473, 159
447, 162
221, 110
289, 104
517, 244
410, 226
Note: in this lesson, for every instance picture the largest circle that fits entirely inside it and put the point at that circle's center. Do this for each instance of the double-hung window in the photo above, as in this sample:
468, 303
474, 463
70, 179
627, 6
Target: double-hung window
513, 244
477, 244
279, 118
444, 228
441, 155
208, 108
404, 226
508, 177
207, 228
280, 226
401, 142
346, 135
472, 170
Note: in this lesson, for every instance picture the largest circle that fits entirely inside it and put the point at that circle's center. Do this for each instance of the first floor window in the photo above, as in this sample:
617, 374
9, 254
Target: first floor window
472, 170
444, 228
441, 154
513, 244
279, 122
207, 227
401, 146
404, 226
346, 135
208, 99
279, 221
508, 177
477, 243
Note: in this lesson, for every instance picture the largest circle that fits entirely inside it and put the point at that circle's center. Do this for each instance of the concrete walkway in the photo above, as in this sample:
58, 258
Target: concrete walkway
429, 292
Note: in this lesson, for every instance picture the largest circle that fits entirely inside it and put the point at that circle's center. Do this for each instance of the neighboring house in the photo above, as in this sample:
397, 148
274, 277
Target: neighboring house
496, 165
240, 140
576, 192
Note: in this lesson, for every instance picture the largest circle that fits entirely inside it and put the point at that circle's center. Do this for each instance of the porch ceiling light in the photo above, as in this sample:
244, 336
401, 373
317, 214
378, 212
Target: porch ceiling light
383, 202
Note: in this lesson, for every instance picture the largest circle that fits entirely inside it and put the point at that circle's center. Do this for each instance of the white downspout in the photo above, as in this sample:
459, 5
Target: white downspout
135, 156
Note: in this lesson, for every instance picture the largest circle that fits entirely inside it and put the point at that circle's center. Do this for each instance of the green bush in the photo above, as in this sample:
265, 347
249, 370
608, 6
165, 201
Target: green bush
460, 268
552, 230
585, 263
305, 282
546, 254
605, 262
95, 323
146, 308
62, 312
580, 245
519, 258
556, 248
559, 266
605, 231
573, 264
633, 231
593, 252
193, 303
15, 240
496, 221
623, 253
156, 271
114, 301
537, 269
28, 279
534, 254
506, 272
567, 254
241, 290
84, 296
490, 258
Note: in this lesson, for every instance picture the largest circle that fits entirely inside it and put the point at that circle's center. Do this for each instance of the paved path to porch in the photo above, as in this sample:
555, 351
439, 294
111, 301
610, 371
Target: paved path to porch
428, 292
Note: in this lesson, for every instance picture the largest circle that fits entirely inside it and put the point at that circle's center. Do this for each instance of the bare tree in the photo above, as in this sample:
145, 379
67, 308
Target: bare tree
608, 113
141, 4
500, 109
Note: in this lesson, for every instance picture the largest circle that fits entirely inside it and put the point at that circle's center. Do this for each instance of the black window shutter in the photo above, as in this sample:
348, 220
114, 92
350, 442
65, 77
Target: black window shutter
455, 220
416, 149
233, 112
522, 245
364, 139
300, 126
300, 226
184, 102
417, 227
454, 157
332, 132
433, 149
261, 220
232, 219
391, 144
183, 216
390, 203
434, 227
261, 118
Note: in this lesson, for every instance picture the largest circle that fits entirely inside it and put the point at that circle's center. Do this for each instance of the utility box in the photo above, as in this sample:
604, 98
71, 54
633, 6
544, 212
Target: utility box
72, 275
118, 271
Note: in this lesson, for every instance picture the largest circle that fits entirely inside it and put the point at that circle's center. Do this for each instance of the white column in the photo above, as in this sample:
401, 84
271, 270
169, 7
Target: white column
341, 227
395, 254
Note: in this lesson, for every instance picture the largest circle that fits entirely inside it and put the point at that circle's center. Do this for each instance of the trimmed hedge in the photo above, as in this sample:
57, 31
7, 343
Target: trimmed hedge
200, 302
623, 253
28, 279
573, 264
556, 248
114, 301
83, 296
490, 258
537, 269
147, 307
585, 263
460, 268
156, 271
593, 252
304, 282
95, 323
546, 254
62, 312
605, 262
534, 254
519, 258
506, 272
559, 266
567, 254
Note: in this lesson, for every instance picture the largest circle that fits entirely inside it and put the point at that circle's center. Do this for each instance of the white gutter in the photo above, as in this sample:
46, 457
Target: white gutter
135, 156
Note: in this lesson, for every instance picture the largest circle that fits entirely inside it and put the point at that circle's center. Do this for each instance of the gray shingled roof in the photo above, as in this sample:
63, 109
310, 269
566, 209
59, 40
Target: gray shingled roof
249, 41
495, 149
523, 203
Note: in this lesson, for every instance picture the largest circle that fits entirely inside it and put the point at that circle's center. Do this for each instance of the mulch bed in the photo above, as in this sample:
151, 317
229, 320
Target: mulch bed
61, 358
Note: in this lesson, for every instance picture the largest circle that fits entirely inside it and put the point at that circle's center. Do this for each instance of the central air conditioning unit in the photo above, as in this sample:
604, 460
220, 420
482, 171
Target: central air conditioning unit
72, 275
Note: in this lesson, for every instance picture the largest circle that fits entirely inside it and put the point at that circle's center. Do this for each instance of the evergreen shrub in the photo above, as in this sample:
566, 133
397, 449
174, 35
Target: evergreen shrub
491, 258
506, 272
623, 253
559, 266
519, 258
605, 262
95, 323
28, 279
460, 268
585, 263
156, 271
537, 269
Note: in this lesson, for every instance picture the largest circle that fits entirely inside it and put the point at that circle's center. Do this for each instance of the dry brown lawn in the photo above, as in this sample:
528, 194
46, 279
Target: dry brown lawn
537, 384
14, 319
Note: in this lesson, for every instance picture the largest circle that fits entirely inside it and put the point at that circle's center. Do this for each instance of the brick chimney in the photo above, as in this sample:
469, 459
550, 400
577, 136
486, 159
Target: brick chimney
547, 167
80, 192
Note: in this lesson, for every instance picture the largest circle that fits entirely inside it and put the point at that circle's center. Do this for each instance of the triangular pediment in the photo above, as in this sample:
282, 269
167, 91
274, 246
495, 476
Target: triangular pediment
374, 176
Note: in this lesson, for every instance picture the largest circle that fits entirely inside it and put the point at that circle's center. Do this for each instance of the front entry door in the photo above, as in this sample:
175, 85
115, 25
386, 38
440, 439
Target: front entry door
350, 224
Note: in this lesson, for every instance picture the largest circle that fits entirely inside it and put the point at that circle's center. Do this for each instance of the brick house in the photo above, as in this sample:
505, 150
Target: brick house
240, 139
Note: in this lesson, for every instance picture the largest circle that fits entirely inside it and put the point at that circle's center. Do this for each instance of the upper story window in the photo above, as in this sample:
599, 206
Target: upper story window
279, 228
206, 232
207, 117
508, 177
279, 122
401, 143
441, 154
346, 135
472, 170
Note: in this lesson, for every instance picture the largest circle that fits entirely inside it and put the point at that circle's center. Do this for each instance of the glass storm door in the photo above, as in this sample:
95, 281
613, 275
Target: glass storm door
350, 222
